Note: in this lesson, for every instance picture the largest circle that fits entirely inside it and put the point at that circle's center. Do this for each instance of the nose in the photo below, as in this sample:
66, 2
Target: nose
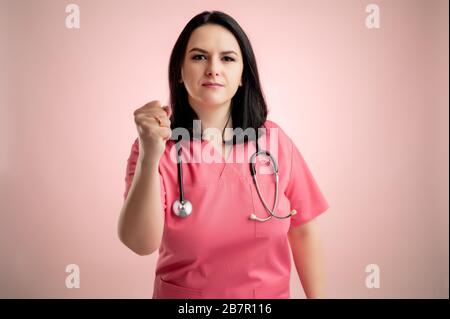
213, 67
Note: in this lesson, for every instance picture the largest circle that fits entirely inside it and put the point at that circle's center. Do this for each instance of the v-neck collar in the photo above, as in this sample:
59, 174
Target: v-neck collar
222, 157
224, 166
224, 161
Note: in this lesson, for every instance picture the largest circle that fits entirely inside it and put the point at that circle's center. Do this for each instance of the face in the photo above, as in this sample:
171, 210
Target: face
213, 64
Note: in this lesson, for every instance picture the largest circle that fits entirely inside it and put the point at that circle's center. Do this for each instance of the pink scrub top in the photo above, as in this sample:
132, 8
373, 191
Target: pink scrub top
218, 251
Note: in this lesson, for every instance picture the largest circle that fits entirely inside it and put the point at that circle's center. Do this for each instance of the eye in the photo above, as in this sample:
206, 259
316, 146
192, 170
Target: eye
196, 56
231, 59
201, 55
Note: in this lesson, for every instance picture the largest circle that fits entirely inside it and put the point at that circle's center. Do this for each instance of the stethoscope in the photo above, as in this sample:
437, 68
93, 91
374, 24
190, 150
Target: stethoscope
183, 208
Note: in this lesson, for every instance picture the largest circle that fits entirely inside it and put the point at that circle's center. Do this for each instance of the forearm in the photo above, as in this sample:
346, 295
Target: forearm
141, 219
308, 257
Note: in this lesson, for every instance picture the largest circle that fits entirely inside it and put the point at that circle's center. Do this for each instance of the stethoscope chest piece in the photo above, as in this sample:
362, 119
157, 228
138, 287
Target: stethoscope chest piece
182, 209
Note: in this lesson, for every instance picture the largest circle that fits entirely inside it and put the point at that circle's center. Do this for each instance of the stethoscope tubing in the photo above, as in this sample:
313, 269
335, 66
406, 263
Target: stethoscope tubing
183, 207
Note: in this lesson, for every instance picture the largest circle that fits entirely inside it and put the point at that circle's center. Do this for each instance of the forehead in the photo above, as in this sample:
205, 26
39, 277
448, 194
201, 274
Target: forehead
212, 37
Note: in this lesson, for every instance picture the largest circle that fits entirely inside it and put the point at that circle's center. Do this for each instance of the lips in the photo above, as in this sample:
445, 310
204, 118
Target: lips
212, 84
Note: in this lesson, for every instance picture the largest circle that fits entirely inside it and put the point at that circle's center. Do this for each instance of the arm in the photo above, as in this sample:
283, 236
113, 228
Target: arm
141, 220
307, 253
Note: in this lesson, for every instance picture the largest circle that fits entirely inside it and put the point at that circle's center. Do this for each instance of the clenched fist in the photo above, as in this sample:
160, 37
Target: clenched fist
153, 125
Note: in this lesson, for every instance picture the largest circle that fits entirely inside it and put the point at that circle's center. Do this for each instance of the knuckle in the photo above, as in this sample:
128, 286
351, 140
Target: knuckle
139, 118
154, 103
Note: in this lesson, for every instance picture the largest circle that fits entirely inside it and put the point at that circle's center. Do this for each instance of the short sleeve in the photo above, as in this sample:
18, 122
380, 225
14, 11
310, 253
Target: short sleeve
302, 190
131, 167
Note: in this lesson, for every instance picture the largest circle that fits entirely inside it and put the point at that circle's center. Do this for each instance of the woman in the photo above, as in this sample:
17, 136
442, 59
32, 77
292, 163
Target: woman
213, 248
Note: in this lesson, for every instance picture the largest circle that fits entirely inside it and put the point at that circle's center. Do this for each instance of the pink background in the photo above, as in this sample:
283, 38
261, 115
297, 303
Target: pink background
368, 109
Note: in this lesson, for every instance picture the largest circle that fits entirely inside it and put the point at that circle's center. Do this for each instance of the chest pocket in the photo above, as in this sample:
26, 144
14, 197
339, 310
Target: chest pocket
273, 226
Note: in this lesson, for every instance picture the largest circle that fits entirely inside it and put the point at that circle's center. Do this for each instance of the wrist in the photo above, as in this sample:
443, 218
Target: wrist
148, 162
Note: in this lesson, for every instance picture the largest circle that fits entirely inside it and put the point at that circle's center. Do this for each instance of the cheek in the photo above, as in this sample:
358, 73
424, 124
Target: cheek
191, 71
235, 80
237, 74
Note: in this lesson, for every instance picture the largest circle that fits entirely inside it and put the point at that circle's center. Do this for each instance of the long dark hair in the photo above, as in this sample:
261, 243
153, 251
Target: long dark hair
248, 106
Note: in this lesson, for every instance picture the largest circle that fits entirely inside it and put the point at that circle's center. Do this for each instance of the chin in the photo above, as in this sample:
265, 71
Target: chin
212, 102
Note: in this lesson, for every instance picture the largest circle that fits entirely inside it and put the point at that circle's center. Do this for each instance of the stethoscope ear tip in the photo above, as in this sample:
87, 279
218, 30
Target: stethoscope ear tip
293, 212
253, 217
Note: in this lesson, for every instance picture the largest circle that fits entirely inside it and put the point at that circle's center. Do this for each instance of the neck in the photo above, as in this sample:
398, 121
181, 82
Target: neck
215, 119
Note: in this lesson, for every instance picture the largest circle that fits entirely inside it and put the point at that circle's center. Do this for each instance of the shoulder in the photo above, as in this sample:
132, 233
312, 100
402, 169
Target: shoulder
274, 128
270, 124
278, 143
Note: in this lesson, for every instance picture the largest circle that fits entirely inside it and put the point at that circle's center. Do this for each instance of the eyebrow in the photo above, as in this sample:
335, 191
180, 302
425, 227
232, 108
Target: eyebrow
204, 51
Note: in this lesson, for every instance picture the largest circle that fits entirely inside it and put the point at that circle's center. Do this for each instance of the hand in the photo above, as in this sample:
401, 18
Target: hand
153, 126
